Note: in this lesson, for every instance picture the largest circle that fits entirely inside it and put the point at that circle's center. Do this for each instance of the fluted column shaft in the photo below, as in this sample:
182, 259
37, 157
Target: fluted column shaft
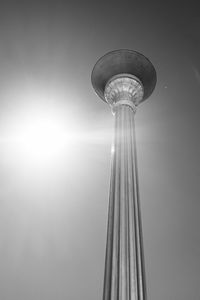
124, 277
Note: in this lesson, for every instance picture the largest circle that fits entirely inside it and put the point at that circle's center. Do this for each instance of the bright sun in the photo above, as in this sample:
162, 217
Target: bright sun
38, 137
42, 136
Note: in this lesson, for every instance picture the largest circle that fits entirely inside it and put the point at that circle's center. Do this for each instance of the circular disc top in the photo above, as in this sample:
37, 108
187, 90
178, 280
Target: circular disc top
123, 61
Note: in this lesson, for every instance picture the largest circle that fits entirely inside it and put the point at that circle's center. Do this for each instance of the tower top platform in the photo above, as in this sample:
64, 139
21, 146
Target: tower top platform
123, 61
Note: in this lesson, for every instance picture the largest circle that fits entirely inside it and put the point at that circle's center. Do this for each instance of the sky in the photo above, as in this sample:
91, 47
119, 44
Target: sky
55, 146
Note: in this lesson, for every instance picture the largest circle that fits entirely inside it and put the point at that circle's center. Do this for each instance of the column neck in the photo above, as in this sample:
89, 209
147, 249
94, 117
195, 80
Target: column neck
124, 89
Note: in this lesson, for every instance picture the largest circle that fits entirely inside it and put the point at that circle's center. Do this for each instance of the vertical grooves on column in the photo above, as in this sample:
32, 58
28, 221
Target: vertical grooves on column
115, 259
132, 248
116, 295
124, 277
127, 217
122, 236
135, 213
140, 250
110, 228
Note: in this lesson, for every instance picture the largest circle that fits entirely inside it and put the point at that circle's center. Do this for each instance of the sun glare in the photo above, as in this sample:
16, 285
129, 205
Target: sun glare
41, 130
41, 137
37, 137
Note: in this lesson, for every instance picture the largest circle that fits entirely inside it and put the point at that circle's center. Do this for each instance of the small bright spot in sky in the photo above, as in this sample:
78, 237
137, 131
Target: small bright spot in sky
112, 149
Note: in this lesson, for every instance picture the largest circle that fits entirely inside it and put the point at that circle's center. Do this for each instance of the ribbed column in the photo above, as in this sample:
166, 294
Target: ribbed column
124, 277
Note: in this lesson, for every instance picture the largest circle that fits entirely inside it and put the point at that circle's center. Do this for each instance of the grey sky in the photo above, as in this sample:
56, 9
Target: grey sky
53, 216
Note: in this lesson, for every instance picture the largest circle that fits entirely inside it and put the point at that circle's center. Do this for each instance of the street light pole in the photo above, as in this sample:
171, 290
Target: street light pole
124, 78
